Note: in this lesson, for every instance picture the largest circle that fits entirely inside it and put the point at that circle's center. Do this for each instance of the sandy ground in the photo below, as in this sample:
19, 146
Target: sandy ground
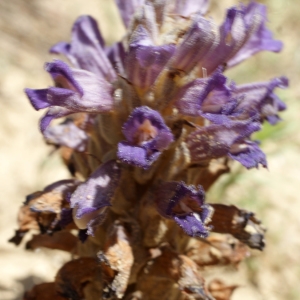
28, 29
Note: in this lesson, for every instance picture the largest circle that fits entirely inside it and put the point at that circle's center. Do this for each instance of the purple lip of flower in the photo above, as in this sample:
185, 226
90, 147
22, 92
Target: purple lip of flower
86, 50
189, 7
216, 141
185, 205
202, 97
144, 60
197, 42
178, 7
77, 91
91, 198
67, 134
146, 135
98, 190
242, 35
260, 98
128, 8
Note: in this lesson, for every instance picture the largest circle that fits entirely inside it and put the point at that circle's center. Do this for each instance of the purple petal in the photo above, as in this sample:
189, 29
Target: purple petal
127, 9
192, 99
249, 155
199, 39
260, 98
135, 155
116, 54
185, 205
62, 186
61, 48
242, 34
261, 38
144, 60
147, 135
37, 98
67, 134
215, 141
98, 190
77, 91
86, 50
51, 114
63, 76
233, 34
187, 7
91, 94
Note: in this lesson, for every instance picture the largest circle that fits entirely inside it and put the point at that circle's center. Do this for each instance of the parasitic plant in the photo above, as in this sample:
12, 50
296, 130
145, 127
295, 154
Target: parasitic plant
148, 125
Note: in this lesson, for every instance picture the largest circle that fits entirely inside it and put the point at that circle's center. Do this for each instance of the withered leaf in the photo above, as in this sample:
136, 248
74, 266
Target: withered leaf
43, 291
171, 276
242, 224
206, 176
27, 220
41, 210
116, 261
221, 291
61, 240
73, 278
217, 250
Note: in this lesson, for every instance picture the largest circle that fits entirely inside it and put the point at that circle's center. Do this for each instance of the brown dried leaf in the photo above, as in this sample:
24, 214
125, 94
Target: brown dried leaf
61, 240
220, 291
242, 224
27, 219
52, 199
190, 281
41, 210
75, 276
217, 250
208, 175
171, 276
117, 260
43, 291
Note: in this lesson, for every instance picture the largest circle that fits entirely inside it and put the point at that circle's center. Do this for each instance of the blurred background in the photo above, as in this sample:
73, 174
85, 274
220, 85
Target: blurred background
28, 28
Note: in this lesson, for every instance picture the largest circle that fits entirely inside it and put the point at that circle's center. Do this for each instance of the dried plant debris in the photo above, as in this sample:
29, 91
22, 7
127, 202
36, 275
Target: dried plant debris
42, 210
60, 240
217, 250
148, 125
78, 277
241, 224
171, 275
116, 261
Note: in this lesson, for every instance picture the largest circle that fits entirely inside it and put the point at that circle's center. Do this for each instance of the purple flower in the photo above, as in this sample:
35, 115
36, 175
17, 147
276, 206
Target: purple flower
259, 98
188, 7
185, 205
242, 35
197, 42
75, 91
67, 134
216, 141
86, 50
91, 199
147, 135
260, 38
202, 97
144, 60
128, 8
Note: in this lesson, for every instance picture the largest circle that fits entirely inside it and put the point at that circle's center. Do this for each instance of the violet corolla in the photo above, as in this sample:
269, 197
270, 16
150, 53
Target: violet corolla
152, 121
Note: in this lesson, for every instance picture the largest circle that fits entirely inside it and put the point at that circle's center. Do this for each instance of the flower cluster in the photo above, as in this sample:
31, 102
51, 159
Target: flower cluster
149, 123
